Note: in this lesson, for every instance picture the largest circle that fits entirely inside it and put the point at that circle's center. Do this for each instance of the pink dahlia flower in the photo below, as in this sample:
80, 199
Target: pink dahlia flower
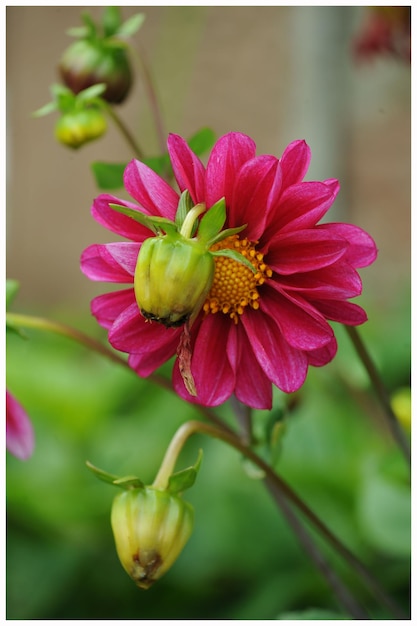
19, 431
257, 328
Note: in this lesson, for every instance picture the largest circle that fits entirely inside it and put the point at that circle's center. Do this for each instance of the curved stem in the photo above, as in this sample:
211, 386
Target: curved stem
153, 99
137, 150
381, 392
276, 485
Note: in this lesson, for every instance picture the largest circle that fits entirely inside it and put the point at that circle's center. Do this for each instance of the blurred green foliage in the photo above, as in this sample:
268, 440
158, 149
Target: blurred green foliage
242, 561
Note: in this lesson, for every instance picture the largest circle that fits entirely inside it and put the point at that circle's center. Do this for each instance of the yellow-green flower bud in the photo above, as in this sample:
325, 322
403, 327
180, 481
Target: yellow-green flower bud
150, 527
77, 127
172, 278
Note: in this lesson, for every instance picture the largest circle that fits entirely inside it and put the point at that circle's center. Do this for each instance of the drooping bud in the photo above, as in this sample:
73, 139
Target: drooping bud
150, 527
172, 278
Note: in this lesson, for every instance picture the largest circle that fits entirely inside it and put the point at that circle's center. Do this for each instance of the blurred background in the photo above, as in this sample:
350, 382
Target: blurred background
277, 74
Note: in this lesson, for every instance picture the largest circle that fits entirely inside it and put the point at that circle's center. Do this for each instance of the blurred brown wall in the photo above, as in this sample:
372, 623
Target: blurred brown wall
276, 73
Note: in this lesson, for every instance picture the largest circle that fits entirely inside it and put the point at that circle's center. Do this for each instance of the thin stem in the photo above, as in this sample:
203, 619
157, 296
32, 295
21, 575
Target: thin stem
153, 99
381, 392
346, 599
137, 150
244, 418
191, 427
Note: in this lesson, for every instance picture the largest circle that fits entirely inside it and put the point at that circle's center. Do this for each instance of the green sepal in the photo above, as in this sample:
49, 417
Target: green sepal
91, 93
125, 482
156, 224
212, 222
111, 20
180, 481
184, 205
46, 109
228, 232
236, 256
131, 25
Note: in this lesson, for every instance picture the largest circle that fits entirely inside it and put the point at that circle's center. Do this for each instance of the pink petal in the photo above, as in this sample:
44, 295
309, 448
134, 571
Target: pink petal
303, 327
338, 281
117, 222
213, 376
300, 207
294, 162
20, 438
228, 155
362, 250
305, 250
284, 365
112, 262
132, 333
188, 169
145, 363
252, 386
107, 307
251, 193
323, 355
340, 311
150, 190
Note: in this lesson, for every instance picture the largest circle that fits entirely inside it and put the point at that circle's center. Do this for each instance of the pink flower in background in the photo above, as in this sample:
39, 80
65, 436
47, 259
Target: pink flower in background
385, 31
256, 328
20, 439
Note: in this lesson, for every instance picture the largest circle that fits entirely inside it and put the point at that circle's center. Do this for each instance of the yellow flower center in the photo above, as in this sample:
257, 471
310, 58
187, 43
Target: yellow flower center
235, 285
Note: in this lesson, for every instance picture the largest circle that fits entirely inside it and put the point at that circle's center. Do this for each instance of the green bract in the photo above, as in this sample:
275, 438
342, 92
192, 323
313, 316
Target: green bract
175, 269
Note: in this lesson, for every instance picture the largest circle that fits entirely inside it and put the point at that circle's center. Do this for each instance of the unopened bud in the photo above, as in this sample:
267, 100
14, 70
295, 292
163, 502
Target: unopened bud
150, 527
78, 127
172, 278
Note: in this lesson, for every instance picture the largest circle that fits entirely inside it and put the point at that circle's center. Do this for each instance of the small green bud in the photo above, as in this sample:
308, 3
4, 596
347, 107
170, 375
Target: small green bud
77, 127
172, 278
150, 527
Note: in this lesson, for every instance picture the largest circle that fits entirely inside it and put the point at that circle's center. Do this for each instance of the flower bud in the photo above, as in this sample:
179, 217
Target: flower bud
172, 278
150, 527
87, 63
77, 127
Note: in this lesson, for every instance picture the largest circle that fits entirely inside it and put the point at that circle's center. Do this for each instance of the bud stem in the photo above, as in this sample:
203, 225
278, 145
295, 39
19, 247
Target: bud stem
188, 223
125, 131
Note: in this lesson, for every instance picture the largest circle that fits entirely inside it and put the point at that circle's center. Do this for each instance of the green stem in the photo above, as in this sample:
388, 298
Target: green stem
278, 487
153, 99
137, 150
381, 392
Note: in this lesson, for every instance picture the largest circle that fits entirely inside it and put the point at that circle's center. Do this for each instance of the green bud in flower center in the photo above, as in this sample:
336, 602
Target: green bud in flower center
172, 278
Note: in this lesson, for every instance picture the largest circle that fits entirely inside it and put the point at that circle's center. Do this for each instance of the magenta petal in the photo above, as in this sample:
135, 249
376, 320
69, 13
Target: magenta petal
20, 438
323, 355
252, 387
338, 281
146, 362
305, 250
362, 250
113, 262
294, 162
188, 169
213, 375
284, 365
150, 190
251, 194
132, 333
228, 155
117, 222
107, 307
339, 311
303, 327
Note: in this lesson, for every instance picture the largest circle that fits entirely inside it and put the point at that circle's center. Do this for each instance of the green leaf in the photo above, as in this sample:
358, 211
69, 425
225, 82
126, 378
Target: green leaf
131, 25
155, 224
212, 222
202, 141
12, 288
180, 481
184, 205
108, 176
159, 164
236, 256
